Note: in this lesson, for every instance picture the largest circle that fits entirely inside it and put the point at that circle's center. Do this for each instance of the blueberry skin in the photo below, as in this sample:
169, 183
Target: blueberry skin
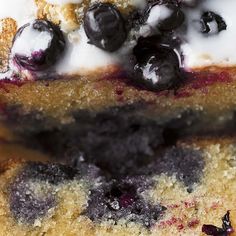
43, 59
210, 17
157, 67
174, 20
122, 199
105, 26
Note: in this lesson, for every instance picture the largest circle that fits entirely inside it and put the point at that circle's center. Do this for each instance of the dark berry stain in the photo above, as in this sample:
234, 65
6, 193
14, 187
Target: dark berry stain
105, 26
25, 205
27, 202
225, 230
123, 199
52, 173
185, 163
205, 79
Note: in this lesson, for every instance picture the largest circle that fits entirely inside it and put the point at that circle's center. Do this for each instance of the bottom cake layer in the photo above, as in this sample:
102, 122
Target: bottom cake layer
186, 189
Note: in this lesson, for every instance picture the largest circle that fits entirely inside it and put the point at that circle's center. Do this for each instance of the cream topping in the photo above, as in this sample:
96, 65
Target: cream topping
82, 56
22, 11
219, 49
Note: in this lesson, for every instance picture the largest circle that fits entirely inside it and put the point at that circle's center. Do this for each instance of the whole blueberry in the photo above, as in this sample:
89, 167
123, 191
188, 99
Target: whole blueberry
158, 69
37, 45
170, 15
105, 26
212, 23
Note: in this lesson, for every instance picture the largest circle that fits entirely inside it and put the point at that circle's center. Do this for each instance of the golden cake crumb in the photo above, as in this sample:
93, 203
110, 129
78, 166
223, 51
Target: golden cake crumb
8, 28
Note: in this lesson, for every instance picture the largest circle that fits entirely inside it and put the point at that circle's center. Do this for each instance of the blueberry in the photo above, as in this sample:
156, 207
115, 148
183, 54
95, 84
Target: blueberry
158, 68
212, 23
170, 15
27, 203
186, 164
105, 26
38, 45
226, 229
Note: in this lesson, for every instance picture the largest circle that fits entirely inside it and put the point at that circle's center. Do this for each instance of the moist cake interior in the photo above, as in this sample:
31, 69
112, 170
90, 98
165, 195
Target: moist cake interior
189, 194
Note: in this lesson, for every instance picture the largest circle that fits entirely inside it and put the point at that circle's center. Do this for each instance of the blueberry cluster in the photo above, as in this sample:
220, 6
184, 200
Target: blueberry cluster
226, 229
156, 63
41, 59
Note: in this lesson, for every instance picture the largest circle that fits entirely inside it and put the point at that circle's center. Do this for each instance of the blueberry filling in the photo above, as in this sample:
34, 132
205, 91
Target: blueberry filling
29, 203
51, 173
44, 41
123, 199
212, 23
105, 26
226, 229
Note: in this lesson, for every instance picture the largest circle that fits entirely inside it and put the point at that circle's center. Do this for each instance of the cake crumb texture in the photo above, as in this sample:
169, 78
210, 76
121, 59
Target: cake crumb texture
185, 210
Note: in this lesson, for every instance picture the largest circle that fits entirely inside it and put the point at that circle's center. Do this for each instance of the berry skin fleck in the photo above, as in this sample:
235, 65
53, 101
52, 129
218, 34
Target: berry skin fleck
226, 229
193, 223
121, 199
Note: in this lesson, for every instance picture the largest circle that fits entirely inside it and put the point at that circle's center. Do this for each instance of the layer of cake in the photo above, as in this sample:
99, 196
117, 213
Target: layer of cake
209, 91
187, 195
197, 48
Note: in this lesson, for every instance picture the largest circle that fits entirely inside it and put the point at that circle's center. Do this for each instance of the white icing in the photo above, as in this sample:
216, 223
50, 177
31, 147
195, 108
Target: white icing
30, 41
81, 56
157, 14
20, 10
63, 2
219, 49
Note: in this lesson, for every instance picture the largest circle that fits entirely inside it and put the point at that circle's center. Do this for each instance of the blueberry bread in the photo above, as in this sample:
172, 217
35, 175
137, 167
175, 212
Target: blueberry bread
187, 189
